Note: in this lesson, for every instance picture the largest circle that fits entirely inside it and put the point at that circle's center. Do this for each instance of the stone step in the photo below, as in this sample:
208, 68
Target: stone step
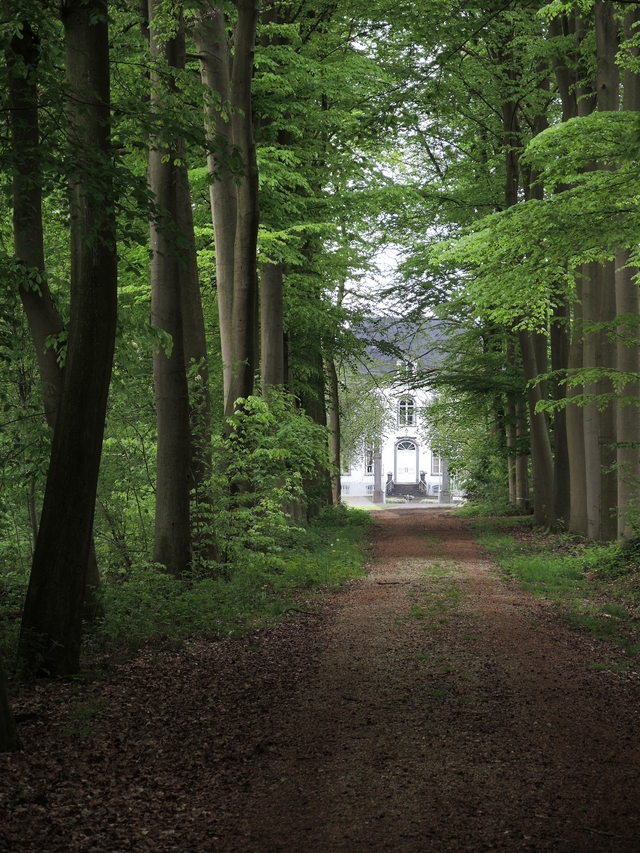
403, 490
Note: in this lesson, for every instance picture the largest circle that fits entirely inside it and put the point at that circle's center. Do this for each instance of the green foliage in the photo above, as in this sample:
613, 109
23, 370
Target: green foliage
260, 469
595, 585
147, 605
143, 604
459, 428
493, 505
367, 411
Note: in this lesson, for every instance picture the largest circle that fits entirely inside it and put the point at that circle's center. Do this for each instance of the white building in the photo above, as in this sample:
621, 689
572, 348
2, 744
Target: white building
404, 466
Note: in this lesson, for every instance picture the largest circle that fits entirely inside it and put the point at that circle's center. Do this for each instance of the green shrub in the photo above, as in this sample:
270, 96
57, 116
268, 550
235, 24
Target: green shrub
149, 605
259, 471
497, 506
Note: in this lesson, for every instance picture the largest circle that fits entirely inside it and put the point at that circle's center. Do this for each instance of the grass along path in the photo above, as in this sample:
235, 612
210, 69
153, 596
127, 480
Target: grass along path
595, 586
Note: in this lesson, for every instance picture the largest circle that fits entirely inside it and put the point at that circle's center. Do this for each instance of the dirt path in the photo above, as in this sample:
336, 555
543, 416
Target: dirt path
430, 707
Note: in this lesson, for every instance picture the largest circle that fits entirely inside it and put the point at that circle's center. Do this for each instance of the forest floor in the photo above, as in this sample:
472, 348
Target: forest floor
430, 706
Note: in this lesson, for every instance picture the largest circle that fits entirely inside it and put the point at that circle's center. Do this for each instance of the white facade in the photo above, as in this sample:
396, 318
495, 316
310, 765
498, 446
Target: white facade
408, 466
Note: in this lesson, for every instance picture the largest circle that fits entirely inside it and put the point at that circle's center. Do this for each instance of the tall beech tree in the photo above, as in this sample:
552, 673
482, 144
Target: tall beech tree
172, 537
23, 58
52, 620
548, 240
628, 342
272, 268
569, 72
599, 306
234, 199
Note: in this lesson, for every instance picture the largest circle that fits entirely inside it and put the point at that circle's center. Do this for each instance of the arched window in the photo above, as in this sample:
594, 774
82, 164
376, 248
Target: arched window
406, 411
406, 445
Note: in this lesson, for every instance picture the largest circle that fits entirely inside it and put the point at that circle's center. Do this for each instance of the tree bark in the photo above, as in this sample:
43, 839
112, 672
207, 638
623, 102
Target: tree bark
172, 537
510, 429
628, 346
195, 346
52, 621
193, 333
590, 410
575, 425
234, 204
570, 453
559, 337
28, 241
522, 460
245, 272
530, 342
604, 288
541, 456
312, 400
215, 60
271, 326
334, 430
41, 313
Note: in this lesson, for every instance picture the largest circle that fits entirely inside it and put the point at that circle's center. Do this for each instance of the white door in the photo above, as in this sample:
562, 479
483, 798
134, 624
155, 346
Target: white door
406, 468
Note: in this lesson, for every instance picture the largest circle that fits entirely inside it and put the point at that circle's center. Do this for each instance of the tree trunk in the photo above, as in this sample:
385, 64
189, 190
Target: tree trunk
28, 241
575, 425
530, 342
195, 348
172, 538
197, 367
271, 270
334, 430
213, 49
52, 621
565, 73
522, 459
42, 316
590, 416
234, 204
271, 326
607, 438
312, 400
628, 347
245, 272
510, 429
569, 466
604, 289
583, 450
559, 337
541, 456
511, 436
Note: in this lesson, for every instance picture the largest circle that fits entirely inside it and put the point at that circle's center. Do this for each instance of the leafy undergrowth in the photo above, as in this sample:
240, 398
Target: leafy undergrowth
492, 508
144, 605
597, 586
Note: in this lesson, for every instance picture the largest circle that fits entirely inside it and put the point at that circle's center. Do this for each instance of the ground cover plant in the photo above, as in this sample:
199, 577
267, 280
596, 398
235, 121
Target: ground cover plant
143, 605
596, 585
497, 506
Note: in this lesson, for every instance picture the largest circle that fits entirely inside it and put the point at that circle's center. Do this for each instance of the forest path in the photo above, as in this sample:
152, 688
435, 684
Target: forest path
430, 706
450, 711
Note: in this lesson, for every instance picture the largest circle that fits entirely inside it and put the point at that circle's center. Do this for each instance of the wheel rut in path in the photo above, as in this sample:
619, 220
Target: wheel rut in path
448, 711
